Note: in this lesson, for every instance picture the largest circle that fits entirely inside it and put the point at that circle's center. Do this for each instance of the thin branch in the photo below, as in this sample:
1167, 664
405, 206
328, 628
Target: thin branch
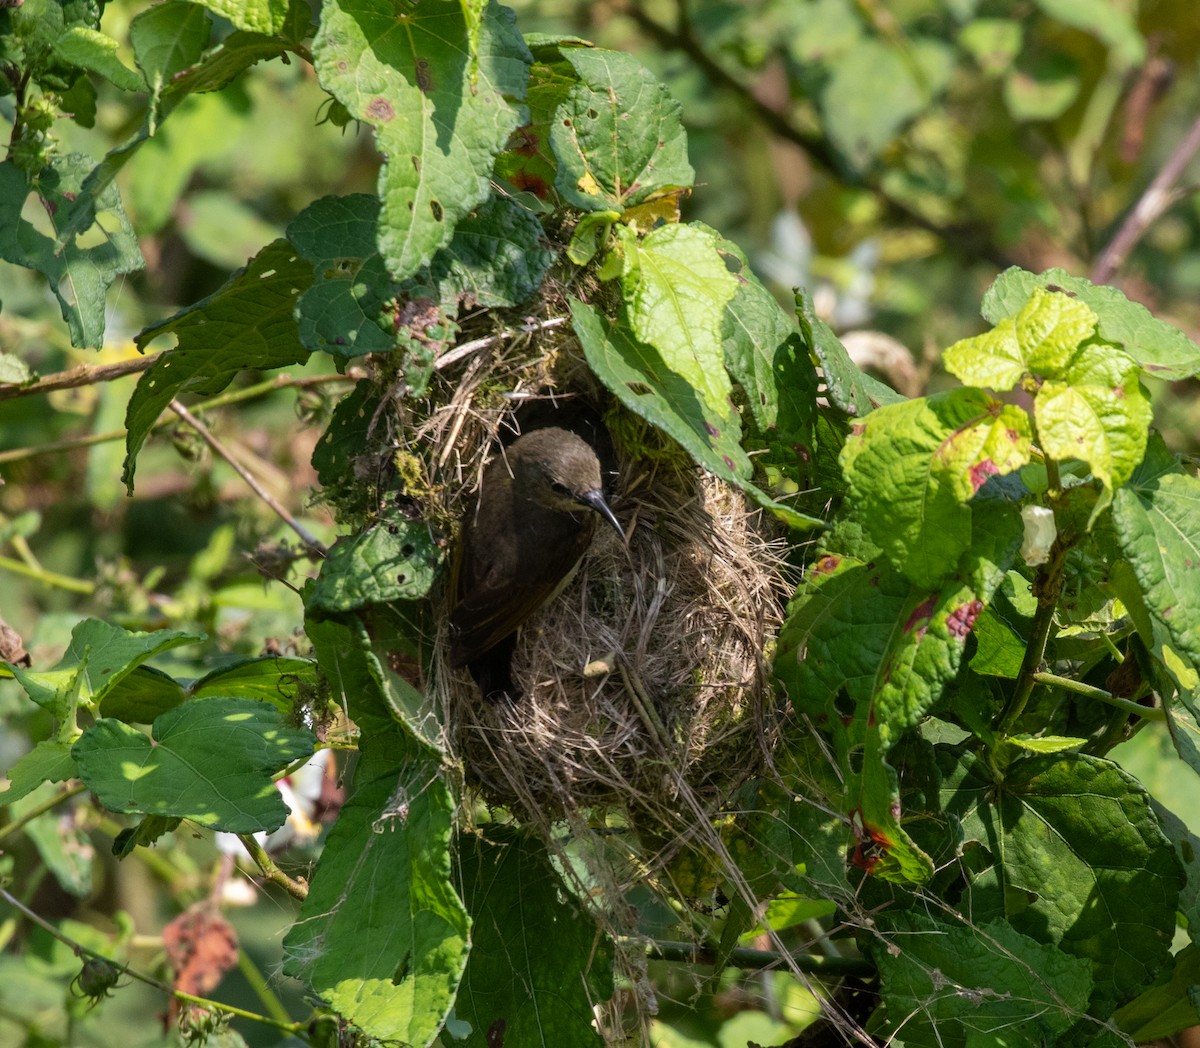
756, 960
223, 400
1157, 198
276, 506
26, 817
80, 950
84, 375
297, 889
1078, 687
969, 240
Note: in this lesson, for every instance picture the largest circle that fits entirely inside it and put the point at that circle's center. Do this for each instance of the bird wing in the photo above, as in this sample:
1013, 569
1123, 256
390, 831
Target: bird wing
494, 599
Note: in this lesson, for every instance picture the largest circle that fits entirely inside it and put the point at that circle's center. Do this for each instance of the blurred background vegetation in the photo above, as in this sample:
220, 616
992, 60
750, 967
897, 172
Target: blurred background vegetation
891, 155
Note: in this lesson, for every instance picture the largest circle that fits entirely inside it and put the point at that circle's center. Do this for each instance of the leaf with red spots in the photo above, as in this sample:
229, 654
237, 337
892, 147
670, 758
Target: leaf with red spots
914, 467
443, 93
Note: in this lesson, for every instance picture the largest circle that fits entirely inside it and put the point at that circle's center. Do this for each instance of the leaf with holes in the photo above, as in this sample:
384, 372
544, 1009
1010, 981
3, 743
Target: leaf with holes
618, 136
248, 323
388, 562
440, 109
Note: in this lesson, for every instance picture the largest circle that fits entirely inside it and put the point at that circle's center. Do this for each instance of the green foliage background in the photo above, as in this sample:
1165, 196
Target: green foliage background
891, 159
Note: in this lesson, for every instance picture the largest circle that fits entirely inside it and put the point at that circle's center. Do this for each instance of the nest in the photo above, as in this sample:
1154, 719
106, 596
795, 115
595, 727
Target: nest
644, 684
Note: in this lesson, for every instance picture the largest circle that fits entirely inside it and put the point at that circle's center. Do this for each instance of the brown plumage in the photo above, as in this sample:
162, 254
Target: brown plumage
536, 515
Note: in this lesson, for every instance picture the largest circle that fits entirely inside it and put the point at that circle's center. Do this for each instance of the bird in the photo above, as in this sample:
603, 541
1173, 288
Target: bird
536, 514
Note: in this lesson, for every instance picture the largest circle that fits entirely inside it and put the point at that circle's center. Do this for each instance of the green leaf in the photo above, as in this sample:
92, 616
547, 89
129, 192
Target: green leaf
947, 985
1096, 412
1109, 23
618, 135
913, 468
97, 53
282, 681
82, 268
847, 386
98, 658
166, 39
533, 989
210, 762
49, 761
676, 286
255, 16
861, 119
440, 111
62, 844
1041, 86
1043, 339
1159, 349
140, 696
248, 323
1166, 1009
1157, 521
382, 936
765, 354
343, 312
1078, 860
387, 562
640, 379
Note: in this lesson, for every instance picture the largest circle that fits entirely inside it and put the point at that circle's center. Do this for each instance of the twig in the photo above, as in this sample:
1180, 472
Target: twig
1157, 198
26, 817
297, 889
84, 375
80, 950
456, 354
223, 400
277, 507
1100, 695
756, 960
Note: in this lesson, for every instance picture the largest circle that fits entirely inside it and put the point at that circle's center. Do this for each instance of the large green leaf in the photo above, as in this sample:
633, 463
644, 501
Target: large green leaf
1159, 349
637, 375
913, 468
676, 285
211, 761
254, 16
94, 51
1157, 521
99, 657
81, 269
248, 323
538, 967
441, 111
382, 936
1077, 859
944, 984
49, 761
167, 39
1096, 412
618, 135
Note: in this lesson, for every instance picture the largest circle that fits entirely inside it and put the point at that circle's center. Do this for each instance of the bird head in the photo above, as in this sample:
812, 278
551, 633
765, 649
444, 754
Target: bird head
559, 470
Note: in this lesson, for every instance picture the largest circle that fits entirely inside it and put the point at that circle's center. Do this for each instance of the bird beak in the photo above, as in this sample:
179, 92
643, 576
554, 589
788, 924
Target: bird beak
595, 500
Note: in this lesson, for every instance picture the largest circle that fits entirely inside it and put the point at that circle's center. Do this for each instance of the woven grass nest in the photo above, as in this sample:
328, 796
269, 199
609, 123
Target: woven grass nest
644, 683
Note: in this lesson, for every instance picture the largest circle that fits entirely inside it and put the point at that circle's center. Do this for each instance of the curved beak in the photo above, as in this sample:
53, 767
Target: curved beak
595, 500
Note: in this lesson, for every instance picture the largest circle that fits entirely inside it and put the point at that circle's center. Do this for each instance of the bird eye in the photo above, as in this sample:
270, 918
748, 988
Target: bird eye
560, 488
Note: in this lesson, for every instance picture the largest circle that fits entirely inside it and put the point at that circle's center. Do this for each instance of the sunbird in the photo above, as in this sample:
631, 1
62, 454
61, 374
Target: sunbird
536, 515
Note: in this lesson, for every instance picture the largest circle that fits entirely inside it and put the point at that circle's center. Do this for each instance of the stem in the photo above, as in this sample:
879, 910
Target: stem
298, 889
294, 1028
1047, 587
50, 578
84, 375
262, 988
276, 506
49, 804
223, 400
755, 960
1078, 687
